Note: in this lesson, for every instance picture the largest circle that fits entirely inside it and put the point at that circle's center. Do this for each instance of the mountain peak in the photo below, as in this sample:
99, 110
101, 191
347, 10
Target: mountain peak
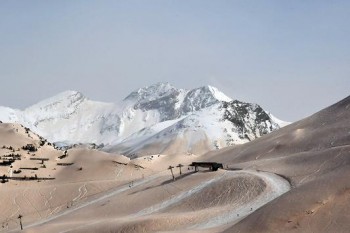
161, 89
217, 94
157, 87
69, 94
64, 100
202, 97
160, 85
151, 92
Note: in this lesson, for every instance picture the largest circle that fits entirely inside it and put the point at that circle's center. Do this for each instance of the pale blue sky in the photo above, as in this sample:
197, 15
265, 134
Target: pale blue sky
291, 57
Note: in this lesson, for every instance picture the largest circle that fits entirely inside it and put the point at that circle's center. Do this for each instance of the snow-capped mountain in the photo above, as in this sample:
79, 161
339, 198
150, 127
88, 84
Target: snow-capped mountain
154, 119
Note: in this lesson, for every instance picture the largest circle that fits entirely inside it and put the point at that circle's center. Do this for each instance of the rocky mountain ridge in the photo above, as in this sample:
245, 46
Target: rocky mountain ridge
150, 120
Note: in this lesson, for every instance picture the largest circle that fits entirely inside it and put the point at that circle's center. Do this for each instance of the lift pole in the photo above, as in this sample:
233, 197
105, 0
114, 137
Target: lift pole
180, 166
172, 173
20, 221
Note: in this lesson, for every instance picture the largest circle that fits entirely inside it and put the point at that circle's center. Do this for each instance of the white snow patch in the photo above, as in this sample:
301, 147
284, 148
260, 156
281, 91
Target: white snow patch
219, 95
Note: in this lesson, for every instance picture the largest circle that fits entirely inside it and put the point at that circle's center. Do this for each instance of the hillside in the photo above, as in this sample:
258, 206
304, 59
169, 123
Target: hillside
314, 155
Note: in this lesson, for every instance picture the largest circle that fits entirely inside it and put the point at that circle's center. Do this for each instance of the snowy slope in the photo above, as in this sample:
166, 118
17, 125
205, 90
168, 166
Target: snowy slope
154, 119
72, 118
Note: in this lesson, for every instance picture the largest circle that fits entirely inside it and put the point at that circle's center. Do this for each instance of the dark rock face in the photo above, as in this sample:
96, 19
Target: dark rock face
198, 99
165, 105
109, 124
248, 119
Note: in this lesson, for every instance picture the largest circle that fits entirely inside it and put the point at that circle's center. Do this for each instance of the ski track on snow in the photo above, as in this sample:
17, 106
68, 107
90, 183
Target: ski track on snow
275, 187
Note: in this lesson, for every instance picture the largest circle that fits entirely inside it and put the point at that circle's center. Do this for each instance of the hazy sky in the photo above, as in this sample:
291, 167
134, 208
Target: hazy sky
291, 57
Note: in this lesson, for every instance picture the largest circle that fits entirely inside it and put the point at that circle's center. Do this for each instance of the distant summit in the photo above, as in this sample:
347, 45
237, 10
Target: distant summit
155, 119
152, 92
